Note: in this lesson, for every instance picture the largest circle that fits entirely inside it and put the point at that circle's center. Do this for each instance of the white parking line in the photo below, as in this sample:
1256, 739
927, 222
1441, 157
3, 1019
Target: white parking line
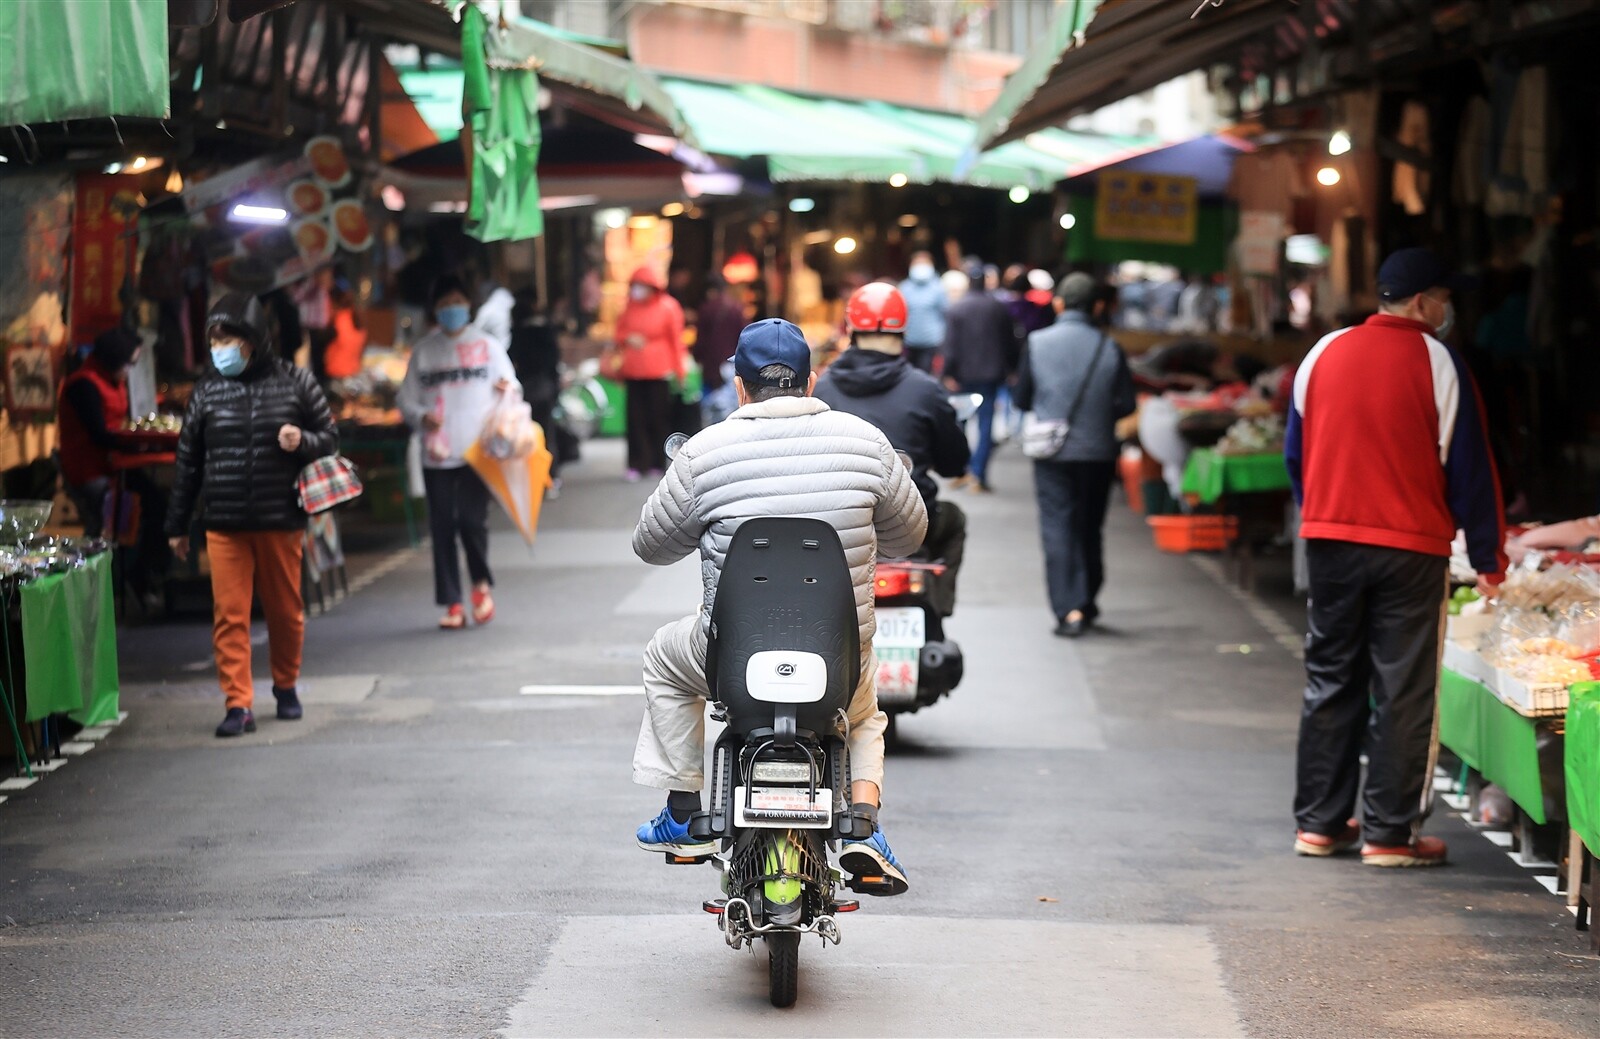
582, 690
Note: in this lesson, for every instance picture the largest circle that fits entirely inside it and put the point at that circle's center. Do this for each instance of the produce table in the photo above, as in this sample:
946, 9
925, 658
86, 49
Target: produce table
1493, 739
1212, 476
1583, 764
69, 644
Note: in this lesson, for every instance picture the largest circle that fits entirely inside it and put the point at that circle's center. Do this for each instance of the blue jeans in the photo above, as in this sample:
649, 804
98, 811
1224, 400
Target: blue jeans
985, 420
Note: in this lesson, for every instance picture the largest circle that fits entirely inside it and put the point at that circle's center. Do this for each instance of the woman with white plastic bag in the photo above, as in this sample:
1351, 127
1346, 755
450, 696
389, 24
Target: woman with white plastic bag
456, 379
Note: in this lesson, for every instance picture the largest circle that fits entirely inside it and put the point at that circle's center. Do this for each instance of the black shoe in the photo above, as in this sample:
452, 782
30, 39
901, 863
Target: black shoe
238, 721
289, 708
1066, 629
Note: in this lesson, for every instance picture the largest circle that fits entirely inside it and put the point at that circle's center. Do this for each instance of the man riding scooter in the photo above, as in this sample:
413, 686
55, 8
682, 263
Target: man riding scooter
875, 381
782, 453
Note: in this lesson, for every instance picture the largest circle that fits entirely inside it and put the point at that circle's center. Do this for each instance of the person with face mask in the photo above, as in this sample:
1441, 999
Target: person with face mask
649, 349
1388, 457
926, 302
254, 421
457, 374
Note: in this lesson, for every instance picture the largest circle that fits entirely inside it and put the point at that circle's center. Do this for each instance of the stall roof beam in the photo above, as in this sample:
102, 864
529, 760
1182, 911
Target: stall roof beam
1129, 46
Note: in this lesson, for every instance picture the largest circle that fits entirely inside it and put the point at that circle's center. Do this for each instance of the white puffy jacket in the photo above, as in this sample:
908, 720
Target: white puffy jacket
788, 456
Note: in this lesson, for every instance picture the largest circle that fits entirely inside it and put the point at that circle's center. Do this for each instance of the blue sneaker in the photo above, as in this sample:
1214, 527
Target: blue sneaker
872, 866
665, 834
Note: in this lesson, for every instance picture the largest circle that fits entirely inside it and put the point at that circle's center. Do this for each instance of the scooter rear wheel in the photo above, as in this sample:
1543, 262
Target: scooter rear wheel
783, 967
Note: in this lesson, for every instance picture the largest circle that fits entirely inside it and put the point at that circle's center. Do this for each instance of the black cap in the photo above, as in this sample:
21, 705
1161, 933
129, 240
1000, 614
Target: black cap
769, 342
1410, 271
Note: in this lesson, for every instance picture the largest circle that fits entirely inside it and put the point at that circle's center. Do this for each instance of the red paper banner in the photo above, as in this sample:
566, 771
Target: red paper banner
100, 251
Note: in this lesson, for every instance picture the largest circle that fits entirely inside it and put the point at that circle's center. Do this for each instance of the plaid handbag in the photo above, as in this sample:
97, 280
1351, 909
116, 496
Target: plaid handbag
327, 482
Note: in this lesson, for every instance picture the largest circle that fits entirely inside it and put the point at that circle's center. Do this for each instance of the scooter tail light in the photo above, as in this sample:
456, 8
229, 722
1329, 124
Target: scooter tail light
892, 583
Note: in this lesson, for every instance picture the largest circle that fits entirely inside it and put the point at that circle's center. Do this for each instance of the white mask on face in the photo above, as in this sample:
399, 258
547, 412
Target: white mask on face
1442, 329
640, 293
922, 271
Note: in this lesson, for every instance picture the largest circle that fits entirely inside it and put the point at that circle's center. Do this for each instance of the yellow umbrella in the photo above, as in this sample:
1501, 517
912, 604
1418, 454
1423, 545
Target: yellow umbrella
518, 484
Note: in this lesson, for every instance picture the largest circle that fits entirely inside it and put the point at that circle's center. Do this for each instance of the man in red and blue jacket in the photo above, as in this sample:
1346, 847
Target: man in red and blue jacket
1388, 457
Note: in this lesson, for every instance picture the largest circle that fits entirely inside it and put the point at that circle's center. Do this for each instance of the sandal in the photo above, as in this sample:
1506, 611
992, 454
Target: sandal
482, 606
454, 619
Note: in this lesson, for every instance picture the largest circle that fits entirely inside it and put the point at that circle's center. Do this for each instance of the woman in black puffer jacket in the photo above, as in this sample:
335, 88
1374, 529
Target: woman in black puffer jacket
253, 423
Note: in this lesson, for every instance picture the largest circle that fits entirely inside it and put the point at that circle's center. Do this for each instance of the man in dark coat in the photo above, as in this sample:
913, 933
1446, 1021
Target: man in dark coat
981, 349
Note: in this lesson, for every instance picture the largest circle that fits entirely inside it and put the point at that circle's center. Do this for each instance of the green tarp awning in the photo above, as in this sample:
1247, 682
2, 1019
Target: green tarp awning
1042, 59
805, 138
83, 59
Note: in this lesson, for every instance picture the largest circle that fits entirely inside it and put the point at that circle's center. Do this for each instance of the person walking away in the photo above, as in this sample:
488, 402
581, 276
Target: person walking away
343, 357
254, 421
536, 358
1388, 458
649, 350
783, 453
1073, 372
874, 380
926, 303
981, 347
456, 375
94, 406
314, 297
720, 320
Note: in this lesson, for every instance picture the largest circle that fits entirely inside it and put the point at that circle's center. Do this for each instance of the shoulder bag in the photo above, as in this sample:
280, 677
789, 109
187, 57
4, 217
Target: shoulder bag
1043, 439
326, 482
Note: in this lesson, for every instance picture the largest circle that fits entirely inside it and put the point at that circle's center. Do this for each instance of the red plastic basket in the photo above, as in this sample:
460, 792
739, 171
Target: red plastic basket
1194, 533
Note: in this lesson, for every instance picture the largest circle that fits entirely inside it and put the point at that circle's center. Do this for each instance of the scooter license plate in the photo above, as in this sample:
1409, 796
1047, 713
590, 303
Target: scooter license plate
783, 806
902, 631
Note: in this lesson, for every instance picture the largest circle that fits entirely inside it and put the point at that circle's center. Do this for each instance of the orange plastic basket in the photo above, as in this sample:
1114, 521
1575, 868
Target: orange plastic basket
1194, 533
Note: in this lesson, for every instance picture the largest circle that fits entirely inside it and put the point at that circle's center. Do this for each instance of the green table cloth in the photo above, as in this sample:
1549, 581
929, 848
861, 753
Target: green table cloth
1583, 763
1211, 475
1494, 740
69, 644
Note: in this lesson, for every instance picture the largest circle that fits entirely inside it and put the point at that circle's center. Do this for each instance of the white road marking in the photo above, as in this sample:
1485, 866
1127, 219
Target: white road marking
76, 747
1499, 838
49, 766
892, 976
1282, 632
582, 690
383, 569
1549, 882
18, 782
95, 734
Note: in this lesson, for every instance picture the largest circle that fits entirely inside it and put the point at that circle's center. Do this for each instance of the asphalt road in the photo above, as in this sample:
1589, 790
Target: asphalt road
1097, 834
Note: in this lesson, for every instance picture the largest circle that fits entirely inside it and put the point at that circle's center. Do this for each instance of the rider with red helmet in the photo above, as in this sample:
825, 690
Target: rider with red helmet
874, 380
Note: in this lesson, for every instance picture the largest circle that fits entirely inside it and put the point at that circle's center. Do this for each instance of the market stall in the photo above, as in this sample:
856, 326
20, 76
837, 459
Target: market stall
59, 640
1519, 705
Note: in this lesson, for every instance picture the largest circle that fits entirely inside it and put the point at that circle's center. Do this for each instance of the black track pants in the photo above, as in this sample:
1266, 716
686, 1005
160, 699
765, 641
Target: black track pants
1372, 681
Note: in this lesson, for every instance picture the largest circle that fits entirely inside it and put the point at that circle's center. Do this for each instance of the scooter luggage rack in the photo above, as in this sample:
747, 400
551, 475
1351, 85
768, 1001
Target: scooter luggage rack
815, 815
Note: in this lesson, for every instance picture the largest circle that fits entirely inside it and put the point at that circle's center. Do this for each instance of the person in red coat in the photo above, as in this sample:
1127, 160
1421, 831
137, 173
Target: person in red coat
648, 351
93, 407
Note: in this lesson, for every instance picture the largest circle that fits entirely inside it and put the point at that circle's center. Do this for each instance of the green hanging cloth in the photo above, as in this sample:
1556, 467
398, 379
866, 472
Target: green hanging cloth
501, 113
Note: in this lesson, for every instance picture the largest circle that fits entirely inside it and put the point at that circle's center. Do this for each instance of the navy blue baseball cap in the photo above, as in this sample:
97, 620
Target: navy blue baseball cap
1410, 271
772, 341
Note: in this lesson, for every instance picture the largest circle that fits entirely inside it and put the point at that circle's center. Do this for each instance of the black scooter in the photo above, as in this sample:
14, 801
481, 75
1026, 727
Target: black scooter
782, 665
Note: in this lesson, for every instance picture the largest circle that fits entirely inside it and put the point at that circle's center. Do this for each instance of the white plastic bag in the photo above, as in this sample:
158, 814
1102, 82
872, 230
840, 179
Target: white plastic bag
509, 430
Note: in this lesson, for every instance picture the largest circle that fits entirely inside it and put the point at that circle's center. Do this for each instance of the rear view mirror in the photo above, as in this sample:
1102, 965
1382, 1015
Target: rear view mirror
675, 444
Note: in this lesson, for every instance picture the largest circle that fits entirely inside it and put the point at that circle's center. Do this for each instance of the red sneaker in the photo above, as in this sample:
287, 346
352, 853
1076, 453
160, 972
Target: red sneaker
1424, 851
454, 619
1321, 845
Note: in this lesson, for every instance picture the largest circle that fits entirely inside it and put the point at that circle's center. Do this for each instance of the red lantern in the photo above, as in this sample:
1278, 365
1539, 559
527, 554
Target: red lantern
741, 269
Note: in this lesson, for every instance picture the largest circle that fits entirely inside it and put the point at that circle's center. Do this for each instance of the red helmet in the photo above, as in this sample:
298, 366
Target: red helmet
877, 307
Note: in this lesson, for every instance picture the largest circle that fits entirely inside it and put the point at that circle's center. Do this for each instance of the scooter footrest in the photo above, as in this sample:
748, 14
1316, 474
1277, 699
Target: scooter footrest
843, 905
686, 860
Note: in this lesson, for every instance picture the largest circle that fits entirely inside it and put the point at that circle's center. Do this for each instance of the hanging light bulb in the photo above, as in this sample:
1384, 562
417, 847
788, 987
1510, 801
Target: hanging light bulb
1327, 176
1339, 143
174, 182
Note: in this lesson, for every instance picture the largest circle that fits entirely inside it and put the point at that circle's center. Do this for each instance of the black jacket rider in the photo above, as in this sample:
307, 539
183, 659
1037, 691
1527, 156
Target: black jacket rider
908, 405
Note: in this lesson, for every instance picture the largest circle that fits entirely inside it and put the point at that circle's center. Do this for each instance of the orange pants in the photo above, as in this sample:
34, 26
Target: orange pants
264, 563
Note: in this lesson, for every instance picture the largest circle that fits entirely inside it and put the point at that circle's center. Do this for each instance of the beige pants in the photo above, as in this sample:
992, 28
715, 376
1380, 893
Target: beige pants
671, 753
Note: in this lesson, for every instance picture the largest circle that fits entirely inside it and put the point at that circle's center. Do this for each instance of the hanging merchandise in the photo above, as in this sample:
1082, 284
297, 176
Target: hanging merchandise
502, 112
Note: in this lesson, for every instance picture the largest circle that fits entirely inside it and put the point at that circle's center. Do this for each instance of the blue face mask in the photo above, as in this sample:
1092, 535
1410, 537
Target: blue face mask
454, 317
229, 360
